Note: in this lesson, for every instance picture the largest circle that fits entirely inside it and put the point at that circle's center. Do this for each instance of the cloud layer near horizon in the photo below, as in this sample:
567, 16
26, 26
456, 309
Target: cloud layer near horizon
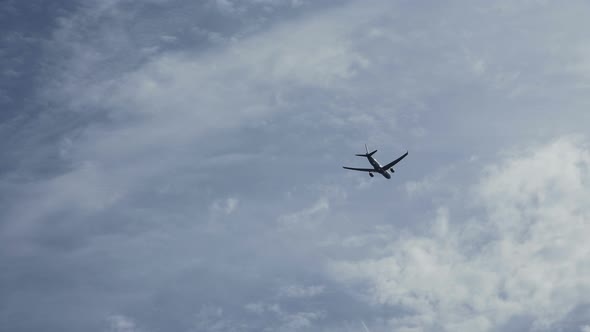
176, 166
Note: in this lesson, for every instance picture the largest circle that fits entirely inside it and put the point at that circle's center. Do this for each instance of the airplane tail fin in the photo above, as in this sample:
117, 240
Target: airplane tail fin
368, 154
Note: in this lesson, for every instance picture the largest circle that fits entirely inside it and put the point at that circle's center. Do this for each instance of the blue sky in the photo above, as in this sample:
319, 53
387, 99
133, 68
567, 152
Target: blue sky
172, 165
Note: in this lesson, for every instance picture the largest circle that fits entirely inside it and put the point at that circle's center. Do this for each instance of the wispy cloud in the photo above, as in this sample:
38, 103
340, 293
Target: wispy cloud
120, 323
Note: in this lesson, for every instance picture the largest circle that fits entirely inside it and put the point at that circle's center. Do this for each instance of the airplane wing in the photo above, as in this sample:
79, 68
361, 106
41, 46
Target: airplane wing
388, 166
361, 169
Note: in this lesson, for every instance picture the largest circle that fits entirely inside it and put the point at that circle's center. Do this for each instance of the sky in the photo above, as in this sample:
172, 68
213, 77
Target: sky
175, 165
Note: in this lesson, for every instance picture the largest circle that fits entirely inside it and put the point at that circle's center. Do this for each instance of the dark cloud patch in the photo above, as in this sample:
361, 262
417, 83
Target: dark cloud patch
26, 29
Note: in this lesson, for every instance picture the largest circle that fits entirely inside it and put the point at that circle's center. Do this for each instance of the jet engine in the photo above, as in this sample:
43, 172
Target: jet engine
371, 174
392, 170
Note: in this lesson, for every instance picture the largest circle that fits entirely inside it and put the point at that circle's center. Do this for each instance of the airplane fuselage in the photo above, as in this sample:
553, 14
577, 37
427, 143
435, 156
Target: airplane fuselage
378, 168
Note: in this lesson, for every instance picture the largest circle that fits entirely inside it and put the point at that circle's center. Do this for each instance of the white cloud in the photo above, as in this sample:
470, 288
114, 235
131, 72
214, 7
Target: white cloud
299, 321
306, 218
212, 318
120, 323
529, 257
298, 291
286, 321
227, 6
225, 207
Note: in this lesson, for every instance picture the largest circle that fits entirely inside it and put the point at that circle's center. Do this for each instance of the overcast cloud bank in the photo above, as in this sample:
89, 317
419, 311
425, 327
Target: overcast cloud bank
175, 166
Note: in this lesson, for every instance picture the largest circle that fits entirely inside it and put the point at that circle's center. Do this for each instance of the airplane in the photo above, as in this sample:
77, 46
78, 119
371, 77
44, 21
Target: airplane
377, 168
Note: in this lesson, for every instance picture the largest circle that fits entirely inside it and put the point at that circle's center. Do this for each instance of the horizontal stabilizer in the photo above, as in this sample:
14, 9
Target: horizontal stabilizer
366, 154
